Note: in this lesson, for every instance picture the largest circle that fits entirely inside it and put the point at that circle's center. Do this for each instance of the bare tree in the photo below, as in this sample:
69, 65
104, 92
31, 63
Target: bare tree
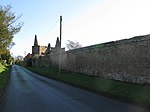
73, 45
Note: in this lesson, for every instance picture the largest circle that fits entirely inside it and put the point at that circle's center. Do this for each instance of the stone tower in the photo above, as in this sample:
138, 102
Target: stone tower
57, 43
35, 41
37, 49
48, 50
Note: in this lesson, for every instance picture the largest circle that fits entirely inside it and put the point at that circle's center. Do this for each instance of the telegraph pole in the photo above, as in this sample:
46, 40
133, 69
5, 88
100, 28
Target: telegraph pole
60, 29
60, 52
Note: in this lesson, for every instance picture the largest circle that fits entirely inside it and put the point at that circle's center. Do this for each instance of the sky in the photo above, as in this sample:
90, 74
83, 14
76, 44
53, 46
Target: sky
88, 22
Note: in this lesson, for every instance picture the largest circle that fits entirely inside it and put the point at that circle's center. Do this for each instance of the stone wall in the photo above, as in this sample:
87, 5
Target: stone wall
125, 60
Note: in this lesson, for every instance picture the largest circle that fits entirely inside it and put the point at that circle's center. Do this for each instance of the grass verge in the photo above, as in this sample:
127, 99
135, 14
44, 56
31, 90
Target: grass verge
2, 68
126, 92
4, 76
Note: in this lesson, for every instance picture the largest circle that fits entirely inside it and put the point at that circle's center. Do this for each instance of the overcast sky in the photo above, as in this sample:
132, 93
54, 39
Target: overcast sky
86, 21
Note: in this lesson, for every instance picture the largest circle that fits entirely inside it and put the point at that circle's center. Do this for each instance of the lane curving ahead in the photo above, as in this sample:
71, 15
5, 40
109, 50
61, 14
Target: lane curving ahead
29, 92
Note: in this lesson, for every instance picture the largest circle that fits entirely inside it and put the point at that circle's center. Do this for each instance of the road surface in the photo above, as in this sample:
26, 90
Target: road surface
29, 92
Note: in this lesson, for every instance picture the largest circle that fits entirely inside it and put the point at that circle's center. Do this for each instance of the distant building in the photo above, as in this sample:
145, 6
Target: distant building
46, 50
28, 56
28, 59
37, 49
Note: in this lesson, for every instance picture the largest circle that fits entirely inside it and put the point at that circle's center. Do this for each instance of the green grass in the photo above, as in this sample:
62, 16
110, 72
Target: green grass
4, 76
2, 68
126, 92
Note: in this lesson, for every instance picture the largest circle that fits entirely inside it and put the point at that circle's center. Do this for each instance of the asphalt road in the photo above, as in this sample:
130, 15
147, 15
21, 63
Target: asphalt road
29, 92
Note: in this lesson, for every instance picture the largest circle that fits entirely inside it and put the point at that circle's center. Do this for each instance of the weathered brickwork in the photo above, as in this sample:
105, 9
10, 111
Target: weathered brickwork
125, 60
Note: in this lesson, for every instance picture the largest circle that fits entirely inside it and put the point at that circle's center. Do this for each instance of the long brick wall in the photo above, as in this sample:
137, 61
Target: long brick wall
125, 60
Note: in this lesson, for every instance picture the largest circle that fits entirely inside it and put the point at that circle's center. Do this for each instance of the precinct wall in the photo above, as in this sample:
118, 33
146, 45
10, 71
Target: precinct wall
125, 60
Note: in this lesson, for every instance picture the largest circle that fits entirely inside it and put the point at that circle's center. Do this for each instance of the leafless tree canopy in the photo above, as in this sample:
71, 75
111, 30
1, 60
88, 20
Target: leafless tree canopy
73, 45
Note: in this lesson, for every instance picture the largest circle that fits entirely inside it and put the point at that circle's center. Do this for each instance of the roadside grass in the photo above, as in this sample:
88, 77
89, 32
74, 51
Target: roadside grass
126, 92
4, 76
2, 68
